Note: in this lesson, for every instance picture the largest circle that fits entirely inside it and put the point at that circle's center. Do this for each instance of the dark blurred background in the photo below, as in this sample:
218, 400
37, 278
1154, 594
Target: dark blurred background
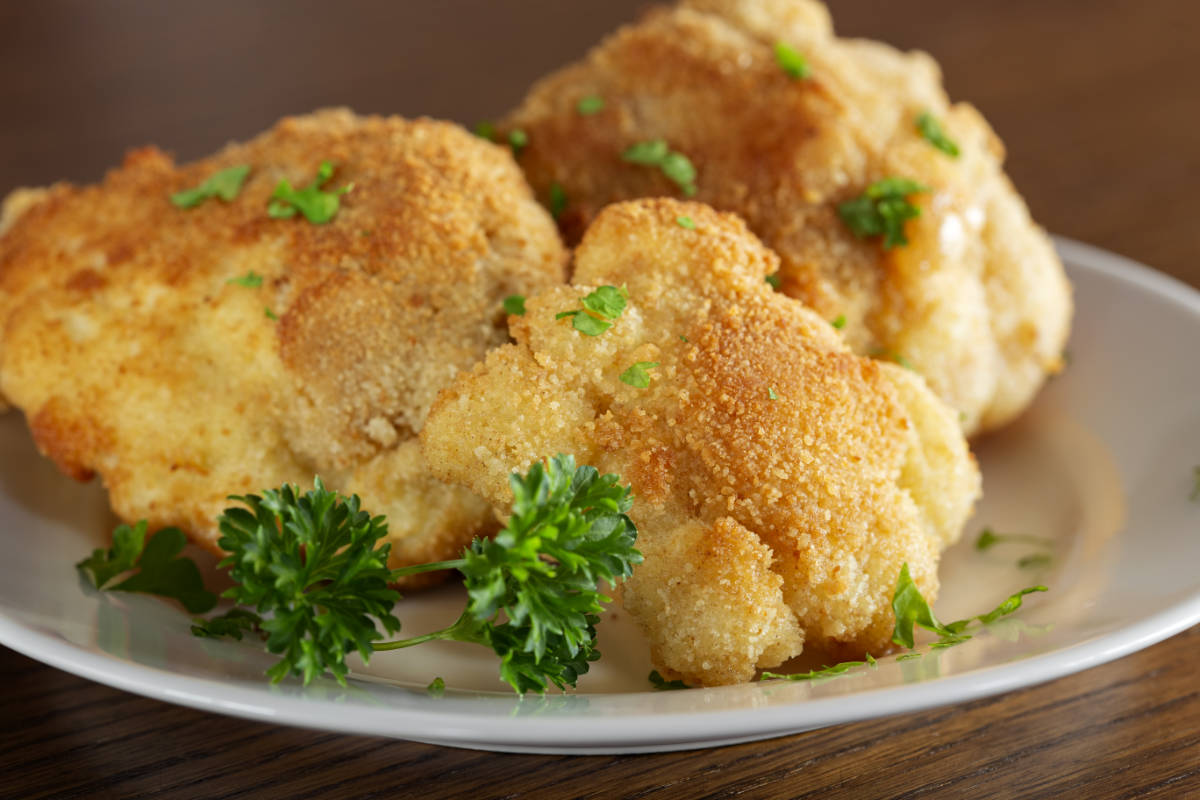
1096, 101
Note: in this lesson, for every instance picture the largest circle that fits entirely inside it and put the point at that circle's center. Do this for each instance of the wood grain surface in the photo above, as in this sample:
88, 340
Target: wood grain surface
1097, 104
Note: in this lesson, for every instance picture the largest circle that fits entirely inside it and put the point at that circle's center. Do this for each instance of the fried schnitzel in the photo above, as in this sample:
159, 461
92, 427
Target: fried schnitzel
186, 354
765, 113
780, 480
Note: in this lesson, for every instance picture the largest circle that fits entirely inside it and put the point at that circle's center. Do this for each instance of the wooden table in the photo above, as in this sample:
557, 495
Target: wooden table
1097, 103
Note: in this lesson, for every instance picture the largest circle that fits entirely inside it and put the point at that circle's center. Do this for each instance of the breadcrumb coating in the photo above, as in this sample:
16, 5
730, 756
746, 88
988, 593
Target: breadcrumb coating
135, 357
977, 301
780, 480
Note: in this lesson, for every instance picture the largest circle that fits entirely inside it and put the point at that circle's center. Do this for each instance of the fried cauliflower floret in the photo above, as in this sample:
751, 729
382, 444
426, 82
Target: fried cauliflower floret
977, 301
184, 355
780, 480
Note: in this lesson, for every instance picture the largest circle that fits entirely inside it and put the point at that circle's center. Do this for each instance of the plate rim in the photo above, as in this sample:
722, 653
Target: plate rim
632, 732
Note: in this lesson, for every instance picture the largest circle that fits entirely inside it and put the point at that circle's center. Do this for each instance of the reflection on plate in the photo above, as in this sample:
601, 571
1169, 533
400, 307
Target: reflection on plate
1102, 465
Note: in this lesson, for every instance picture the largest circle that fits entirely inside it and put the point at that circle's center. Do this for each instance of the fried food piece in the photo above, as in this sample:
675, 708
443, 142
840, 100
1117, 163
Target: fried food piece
780, 481
188, 354
977, 301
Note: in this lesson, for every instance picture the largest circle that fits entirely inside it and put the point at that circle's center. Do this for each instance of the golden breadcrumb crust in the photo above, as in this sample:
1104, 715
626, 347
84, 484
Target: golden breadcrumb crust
135, 357
978, 300
780, 480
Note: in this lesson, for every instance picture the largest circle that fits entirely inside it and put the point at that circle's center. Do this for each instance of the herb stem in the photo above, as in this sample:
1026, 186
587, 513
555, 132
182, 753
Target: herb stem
433, 566
448, 633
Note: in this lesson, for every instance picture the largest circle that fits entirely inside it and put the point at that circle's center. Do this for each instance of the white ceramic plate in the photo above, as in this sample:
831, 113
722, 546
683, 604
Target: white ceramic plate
1103, 465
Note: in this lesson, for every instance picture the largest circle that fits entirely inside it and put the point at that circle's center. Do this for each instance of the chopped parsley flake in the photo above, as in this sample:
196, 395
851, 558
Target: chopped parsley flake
317, 205
773, 279
600, 305
485, 129
637, 376
794, 65
436, 687
988, 539
558, 200
686, 222
674, 165
251, 280
518, 140
909, 656
684, 339
270, 314
515, 304
223, 185
1035, 561
931, 129
882, 210
771, 393
662, 684
592, 104
840, 322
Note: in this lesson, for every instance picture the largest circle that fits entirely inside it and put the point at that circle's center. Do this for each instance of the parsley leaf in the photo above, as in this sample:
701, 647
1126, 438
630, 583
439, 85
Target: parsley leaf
839, 322
436, 687
558, 200
159, 570
485, 129
234, 623
601, 305
674, 165
591, 104
311, 562
794, 65
988, 539
637, 376
518, 140
882, 210
771, 393
317, 205
686, 222
224, 185
515, 304
269, 314
568, 532
911, 608
251, 280
662, 684
774, 280
931, 129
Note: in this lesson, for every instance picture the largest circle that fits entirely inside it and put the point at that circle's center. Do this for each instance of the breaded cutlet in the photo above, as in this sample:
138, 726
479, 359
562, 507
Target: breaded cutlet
187, 354
780, 480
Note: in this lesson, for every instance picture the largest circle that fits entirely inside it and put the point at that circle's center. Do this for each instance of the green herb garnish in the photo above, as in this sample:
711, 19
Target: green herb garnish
637, 376
662, 684
771, 393
269, 314
317, 205
833, 671
557, 202
518, 140
911, 608
251, 280
599, 306
686, 222
794, 65
591, 104
1035, 561
485, 129
156, 566
774, 280
910, 656
514, 304
234, 623
839, 322
882, 210
224, 185
674, 165
931, 129
436, 687
988, 539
